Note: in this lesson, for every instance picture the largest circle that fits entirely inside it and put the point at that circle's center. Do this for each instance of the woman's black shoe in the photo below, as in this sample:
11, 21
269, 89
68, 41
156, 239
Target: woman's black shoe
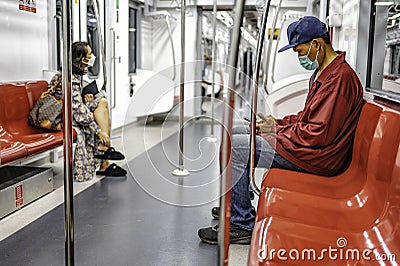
110, 154
113, 170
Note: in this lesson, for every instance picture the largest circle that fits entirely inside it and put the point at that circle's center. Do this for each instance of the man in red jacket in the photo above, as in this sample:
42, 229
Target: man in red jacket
317, 140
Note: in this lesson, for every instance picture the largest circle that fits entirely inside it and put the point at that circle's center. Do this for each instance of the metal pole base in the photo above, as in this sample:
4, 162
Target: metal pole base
211, 139
180, 172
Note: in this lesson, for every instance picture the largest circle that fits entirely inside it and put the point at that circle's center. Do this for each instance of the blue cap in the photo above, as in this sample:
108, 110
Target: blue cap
303, 31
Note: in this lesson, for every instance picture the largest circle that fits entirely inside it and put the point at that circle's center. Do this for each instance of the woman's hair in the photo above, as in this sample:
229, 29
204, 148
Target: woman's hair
79, 51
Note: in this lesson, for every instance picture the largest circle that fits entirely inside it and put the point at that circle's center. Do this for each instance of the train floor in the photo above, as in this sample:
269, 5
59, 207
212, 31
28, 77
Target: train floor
149, 217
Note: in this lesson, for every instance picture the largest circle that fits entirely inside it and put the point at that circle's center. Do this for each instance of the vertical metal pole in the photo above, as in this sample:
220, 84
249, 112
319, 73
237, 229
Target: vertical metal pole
248, 67
322, 9
172, 46
113, 66
241, 76
213, 54
67, 126
181, 171
365, 42
260, 41
226, 178
271, 40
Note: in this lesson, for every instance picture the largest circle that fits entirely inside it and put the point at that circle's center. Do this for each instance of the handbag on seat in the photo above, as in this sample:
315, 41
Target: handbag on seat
47, 111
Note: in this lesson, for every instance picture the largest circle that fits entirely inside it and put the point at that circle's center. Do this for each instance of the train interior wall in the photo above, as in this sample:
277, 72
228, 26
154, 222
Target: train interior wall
24, 38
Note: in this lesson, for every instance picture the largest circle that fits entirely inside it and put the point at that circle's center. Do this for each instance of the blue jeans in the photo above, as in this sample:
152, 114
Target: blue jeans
265, 157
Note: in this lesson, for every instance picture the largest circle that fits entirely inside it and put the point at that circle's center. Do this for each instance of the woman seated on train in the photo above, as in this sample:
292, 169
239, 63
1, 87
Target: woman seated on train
91, 120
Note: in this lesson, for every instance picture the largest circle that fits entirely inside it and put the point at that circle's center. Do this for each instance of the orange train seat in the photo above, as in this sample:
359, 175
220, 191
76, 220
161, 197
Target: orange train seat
18, 138
357, 211
11, 151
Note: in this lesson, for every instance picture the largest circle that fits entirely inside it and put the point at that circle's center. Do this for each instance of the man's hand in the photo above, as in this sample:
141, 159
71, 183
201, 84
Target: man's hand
265, 124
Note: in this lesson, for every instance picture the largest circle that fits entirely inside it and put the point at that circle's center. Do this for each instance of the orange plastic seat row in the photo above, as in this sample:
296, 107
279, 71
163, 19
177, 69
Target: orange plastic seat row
18, 138
355, 212
12, 150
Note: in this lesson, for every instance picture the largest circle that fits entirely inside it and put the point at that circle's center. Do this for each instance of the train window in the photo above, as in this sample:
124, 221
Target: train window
133, 39
93, 40
392, 47
384, 63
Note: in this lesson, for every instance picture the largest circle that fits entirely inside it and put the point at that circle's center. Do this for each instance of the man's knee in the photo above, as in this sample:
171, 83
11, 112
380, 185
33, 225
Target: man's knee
240, 148
240, 141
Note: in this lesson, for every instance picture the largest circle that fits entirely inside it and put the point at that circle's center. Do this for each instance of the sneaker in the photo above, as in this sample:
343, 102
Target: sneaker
237, 234
215, 212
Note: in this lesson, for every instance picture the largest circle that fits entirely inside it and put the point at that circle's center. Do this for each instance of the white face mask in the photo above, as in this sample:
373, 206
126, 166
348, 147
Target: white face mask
90, 62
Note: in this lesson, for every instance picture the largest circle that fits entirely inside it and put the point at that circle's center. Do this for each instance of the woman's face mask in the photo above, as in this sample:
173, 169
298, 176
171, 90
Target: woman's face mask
306, 62
91, 60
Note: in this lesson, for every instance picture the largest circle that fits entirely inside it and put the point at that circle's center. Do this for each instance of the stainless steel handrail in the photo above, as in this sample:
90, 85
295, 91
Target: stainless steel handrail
276, 47
225, 184
241, 77
67, 134
271, 40
172, 46
213, 54
114, 68
58, 19
260, 41
182, 85
248, 67
181, 171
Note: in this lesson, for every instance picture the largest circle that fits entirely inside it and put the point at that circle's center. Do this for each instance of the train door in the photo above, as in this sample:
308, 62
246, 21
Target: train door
223, 22
89, 23
124, 53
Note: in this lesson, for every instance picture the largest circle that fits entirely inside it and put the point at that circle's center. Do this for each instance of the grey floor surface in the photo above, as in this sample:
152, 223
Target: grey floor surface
150, 217
117, 222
